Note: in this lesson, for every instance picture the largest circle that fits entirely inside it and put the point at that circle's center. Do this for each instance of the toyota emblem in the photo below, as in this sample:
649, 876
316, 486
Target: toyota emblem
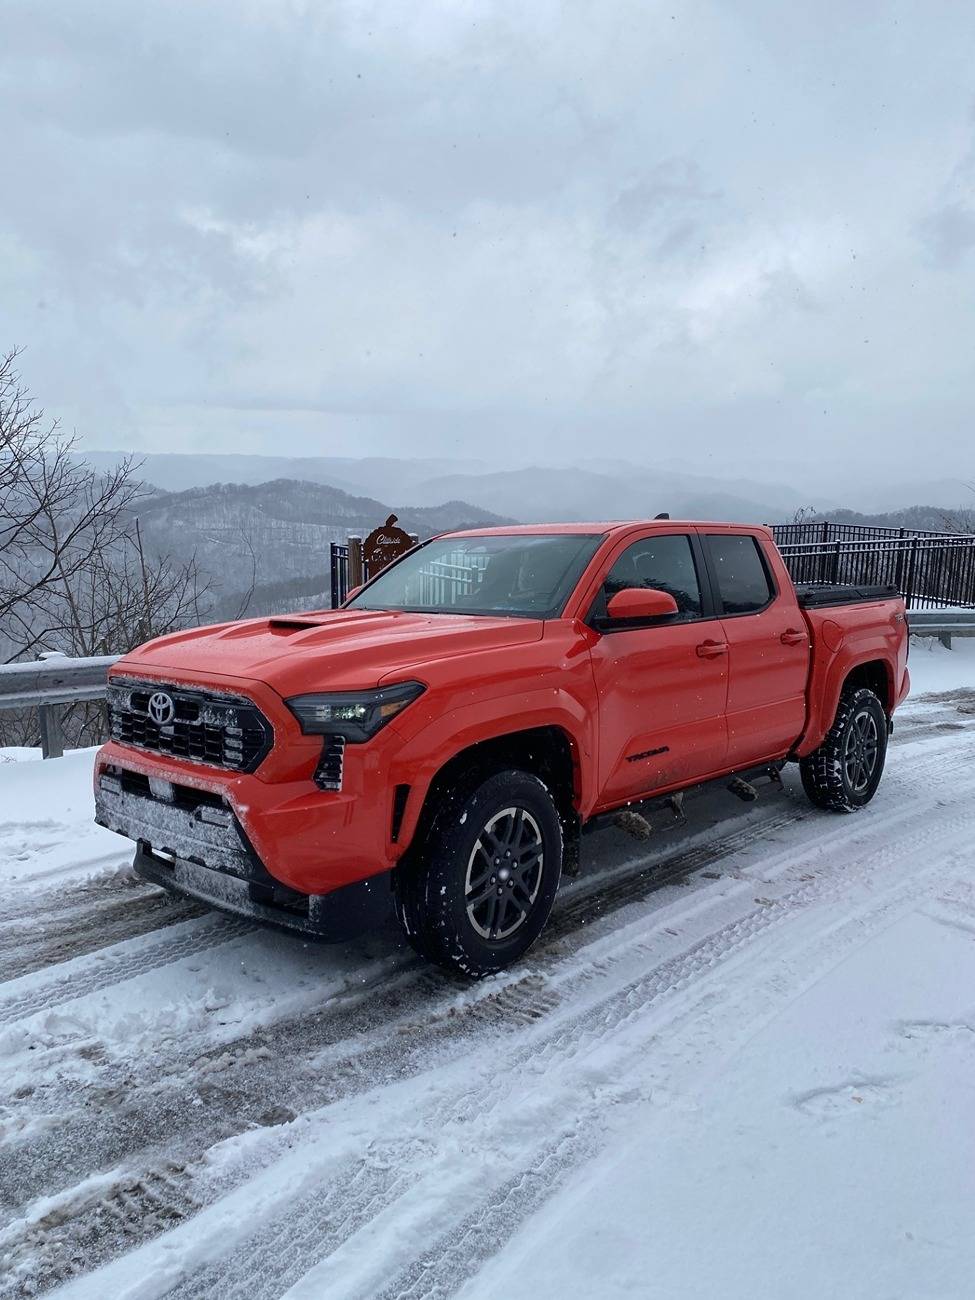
161, 708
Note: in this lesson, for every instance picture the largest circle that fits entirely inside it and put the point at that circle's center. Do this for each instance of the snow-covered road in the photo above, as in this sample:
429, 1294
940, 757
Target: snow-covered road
739, 1064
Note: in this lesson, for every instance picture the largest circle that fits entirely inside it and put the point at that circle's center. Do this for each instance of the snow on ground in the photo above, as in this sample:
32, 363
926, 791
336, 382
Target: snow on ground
933, 668
740, 1063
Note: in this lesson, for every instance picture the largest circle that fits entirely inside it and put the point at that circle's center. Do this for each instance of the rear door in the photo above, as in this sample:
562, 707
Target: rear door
768, 648
661, 687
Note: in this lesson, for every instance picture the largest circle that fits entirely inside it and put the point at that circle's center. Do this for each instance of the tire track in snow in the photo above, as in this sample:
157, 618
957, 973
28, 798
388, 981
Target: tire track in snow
114, 969
266, 1073
41, 1257
31, 901
73, 933
551, 1053
380, 1036
459, 1251
269, 1079
519, 1002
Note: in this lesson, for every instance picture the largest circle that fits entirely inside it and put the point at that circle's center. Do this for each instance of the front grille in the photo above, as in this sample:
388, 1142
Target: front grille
216, 730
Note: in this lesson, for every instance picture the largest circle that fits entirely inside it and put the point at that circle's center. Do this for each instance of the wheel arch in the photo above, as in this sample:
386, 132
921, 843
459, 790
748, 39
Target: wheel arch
548, 752
875, 674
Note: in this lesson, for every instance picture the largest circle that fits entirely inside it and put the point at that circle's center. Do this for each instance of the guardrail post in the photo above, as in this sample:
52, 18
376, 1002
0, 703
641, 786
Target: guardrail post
49, 717
52, 735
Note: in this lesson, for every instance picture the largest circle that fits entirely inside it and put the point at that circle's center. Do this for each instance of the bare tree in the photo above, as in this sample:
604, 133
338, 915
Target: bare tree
123, 597
961, 522
57, 516
74, 574
805, 515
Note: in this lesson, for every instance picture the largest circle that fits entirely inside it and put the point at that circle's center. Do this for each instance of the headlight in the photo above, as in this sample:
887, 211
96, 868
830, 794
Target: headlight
356, 715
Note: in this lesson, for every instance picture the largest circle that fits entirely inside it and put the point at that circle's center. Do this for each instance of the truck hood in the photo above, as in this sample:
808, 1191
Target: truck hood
333, 650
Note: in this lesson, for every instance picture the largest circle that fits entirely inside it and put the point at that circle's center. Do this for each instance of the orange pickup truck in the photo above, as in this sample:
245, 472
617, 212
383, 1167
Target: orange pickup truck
438, 744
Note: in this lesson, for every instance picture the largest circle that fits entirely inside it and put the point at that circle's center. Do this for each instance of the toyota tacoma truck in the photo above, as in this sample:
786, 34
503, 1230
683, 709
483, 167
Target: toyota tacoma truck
437, 745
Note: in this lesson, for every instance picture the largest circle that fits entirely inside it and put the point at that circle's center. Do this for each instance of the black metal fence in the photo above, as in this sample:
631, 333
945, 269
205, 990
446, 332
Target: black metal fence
932, 570
339, 573
824, 531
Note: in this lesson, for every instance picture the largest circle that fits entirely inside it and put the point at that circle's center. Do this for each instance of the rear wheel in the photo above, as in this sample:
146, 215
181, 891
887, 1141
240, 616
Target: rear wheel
476, 893
843, 774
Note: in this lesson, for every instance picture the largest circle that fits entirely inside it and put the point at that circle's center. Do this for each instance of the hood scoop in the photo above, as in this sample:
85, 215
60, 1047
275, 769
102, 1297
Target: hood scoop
291, 624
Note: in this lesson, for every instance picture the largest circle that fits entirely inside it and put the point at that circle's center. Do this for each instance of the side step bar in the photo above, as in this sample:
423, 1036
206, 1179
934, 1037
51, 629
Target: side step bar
647, 817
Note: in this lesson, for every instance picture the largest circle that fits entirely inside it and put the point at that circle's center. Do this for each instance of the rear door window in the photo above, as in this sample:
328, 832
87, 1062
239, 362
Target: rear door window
742, 576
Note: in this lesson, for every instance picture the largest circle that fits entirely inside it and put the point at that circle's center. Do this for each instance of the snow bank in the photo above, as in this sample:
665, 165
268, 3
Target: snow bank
46, 826
933, 668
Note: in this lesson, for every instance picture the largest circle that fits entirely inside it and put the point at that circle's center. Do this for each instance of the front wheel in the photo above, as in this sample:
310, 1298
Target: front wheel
842, 775
476, 893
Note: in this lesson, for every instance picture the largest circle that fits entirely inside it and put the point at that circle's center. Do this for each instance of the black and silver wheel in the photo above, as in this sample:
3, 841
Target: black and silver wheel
504, 874
843, 774
475, 894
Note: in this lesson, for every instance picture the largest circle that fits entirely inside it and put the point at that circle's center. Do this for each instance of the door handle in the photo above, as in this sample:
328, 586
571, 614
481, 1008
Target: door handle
791, 637
712, 649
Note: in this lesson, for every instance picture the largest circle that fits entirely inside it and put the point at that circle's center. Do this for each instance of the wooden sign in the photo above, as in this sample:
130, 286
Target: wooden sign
383, 545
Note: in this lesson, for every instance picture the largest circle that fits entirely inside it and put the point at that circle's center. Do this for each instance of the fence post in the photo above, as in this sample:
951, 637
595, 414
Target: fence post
898, 570
356, 574
333, 574
911, 570
836, 562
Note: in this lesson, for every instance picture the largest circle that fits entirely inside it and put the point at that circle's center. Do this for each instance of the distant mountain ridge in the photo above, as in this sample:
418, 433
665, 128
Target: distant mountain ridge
596, 489
546, 493
385, 477
278, 532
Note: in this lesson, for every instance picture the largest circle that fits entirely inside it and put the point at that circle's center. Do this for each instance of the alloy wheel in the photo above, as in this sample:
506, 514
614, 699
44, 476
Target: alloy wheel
862, 751
504, 874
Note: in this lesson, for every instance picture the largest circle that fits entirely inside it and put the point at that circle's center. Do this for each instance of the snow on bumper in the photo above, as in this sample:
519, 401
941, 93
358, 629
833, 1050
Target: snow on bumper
309, 840
192, 841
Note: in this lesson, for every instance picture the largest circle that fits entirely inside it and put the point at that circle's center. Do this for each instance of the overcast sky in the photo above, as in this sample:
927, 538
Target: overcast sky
701, 232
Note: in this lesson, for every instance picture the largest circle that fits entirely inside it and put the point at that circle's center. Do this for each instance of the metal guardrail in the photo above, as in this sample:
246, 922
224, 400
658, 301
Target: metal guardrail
54, 680
944, 624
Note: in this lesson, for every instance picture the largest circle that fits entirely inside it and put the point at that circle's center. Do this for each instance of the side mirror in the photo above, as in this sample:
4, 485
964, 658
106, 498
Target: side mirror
640, 602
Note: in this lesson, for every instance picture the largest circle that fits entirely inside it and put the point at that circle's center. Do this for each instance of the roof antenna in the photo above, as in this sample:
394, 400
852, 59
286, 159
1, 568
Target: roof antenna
662, 515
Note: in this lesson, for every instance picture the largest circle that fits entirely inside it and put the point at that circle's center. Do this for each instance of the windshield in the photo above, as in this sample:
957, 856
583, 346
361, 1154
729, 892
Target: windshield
529, 576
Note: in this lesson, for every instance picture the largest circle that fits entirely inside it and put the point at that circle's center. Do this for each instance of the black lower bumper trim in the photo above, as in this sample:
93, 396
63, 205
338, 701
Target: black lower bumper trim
333, 917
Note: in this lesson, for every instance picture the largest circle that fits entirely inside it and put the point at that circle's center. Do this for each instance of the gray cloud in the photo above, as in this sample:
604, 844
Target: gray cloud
698, 229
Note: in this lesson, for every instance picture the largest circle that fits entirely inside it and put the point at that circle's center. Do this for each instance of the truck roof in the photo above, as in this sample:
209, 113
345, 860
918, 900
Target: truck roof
605, 527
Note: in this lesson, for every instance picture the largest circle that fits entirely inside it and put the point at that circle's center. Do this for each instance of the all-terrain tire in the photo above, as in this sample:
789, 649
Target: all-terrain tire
842, 775
475, 893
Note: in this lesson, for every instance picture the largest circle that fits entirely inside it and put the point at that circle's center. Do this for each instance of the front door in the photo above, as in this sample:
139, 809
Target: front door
661, 688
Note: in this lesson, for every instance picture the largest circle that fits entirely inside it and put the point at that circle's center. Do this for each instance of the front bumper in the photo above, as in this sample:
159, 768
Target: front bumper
332, 917
191, 841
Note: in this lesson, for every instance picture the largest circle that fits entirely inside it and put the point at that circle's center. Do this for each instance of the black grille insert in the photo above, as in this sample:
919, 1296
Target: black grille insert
216, 730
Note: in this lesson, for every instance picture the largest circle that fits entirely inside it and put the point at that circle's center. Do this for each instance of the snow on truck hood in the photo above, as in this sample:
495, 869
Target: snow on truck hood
333, 650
